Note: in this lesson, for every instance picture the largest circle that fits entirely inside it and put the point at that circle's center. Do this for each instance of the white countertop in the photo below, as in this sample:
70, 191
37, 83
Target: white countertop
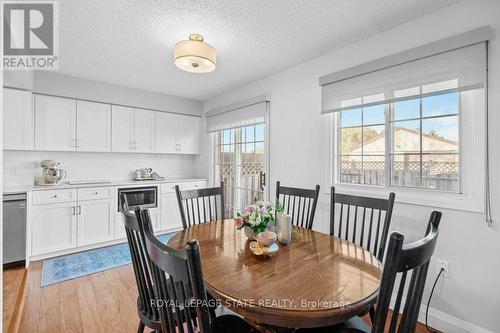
27, 188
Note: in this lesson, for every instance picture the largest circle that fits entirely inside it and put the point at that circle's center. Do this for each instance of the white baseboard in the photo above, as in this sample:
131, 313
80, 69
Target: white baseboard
443, 321
447, 323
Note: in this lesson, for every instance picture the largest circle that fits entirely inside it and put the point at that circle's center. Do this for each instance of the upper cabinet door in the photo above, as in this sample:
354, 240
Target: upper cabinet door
144, 131
18, 120
166, 131
188, 134
93, 126
122, 129
55, 123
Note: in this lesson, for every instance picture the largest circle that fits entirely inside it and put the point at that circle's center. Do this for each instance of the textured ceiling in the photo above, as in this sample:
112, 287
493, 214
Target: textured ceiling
130, 43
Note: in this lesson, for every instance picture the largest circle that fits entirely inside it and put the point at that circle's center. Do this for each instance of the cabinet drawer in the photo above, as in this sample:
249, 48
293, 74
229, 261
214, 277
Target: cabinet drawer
193, 185
92, 193
170, 187
43, 197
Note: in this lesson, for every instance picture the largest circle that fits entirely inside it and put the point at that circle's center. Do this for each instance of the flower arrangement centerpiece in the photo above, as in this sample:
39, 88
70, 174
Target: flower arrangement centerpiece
257, 217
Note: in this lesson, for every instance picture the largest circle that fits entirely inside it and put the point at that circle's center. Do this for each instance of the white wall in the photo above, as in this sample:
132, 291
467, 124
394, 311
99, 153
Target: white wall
21, 167
470, 299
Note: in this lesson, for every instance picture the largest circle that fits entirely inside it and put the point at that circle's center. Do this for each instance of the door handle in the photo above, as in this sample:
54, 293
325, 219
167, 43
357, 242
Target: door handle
262, 180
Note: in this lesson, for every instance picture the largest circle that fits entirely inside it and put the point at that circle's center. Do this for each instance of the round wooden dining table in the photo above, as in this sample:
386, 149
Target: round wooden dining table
315, 280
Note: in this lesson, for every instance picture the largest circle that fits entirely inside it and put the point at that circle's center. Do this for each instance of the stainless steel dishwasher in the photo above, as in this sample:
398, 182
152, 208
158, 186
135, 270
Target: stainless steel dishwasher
14, 230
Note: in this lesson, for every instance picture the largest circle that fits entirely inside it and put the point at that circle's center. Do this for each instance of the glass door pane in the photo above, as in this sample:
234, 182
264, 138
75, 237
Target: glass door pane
240, 164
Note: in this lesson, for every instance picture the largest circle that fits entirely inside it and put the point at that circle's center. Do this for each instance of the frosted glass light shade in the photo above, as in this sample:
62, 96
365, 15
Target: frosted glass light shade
194, 55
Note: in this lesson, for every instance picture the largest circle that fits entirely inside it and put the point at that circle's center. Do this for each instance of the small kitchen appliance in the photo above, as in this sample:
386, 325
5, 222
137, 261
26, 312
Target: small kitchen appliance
147, 174
146, 197
52, 173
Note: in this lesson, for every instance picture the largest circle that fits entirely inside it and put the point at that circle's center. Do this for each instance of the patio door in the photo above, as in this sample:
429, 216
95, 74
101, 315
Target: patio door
240, 162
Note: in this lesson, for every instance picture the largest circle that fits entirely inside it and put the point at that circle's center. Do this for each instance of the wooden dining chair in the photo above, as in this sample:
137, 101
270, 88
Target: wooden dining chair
180, 290
148, 314
364, 221
200, 205
401, 262
299, 203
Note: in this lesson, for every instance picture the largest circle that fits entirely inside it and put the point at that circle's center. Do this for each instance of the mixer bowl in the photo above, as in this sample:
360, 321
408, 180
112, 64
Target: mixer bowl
53, 176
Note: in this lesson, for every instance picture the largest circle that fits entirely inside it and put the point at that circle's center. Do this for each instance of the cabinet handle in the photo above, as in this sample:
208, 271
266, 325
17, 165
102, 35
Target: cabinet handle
96, 193
79, 210
73, 210
55, 195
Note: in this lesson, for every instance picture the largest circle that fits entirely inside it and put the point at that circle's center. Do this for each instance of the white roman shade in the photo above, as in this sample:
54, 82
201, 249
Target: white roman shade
245, 113
454, 64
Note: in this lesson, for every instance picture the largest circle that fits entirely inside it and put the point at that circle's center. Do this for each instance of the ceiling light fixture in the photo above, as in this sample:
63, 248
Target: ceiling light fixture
194, 55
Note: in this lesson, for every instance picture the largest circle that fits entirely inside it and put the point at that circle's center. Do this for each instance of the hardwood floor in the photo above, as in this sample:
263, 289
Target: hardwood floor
101, 302
13, 297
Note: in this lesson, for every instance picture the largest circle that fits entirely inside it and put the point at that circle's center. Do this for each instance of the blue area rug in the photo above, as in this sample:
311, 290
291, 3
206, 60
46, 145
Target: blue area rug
76, 265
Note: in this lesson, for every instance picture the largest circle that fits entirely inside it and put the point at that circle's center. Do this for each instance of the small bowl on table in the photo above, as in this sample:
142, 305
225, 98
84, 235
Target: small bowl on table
267, 238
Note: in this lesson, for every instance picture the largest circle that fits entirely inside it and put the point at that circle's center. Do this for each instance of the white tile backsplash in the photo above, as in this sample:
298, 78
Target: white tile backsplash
21, 167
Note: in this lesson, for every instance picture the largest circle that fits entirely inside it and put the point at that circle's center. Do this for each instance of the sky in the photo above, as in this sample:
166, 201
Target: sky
439, 105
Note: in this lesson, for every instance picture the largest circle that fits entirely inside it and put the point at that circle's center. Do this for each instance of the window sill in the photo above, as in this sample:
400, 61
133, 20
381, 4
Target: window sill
462, 202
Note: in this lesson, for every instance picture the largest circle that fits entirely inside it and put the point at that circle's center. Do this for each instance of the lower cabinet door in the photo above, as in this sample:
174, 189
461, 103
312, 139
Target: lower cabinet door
170, 215
54, 227
119, 226
95, 221
155, 214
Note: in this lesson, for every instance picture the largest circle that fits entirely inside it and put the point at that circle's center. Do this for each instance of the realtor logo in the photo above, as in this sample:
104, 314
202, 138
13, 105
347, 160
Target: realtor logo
30, 35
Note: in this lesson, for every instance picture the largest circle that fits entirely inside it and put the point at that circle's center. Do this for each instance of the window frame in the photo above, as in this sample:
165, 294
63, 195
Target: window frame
472, 143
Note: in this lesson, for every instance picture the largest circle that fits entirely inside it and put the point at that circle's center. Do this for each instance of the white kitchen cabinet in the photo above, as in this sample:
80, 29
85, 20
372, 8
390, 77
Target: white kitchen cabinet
178, 134
18, 120
95, 221
144, 131
54, 228
119, 226
133, 130
155, 214
166, 133
122, 129
170, 215
188, 134
55, 123
93, 126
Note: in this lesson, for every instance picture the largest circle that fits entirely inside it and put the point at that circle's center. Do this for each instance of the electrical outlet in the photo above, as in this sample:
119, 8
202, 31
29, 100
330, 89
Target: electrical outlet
441, 264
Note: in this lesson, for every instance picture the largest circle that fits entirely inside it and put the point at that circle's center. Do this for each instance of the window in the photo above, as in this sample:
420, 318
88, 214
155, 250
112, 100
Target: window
240, 164
413, 123
423, 141
362, 145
